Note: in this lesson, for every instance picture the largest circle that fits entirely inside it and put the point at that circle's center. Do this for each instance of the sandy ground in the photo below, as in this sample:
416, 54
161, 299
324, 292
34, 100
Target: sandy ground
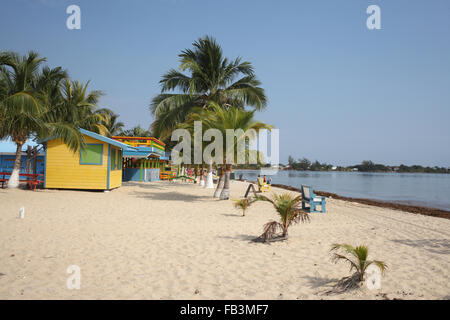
173, 241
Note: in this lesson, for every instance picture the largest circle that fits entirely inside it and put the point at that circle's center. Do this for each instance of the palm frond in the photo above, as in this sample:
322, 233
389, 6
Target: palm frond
380, 264
66, 132
287, 206
211, 77
358, 258
244, 204
271, 229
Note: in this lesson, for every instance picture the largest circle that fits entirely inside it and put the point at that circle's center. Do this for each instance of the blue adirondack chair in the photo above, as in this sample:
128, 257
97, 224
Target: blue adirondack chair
308, 197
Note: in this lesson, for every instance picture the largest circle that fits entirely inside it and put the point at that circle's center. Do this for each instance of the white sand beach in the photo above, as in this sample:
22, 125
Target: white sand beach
174, 241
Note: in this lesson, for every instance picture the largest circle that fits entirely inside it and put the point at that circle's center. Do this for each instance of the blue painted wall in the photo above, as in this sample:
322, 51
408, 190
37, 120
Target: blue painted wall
7, 163
134, 174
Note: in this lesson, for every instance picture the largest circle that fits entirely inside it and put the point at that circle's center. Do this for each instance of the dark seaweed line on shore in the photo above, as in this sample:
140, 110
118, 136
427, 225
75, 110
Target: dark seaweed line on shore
391, 205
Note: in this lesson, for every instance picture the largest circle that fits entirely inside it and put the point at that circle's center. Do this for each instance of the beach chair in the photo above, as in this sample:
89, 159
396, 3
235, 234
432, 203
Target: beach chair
263, 186
308, 197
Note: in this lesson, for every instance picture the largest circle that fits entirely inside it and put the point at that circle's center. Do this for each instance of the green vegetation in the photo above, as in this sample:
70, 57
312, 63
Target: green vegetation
223, 119
289, 209
75, 107
305, 164
244, 204
215, 91
136, 132
417, 168
357, 258
112, 124
211, 78
39, 102
366, 166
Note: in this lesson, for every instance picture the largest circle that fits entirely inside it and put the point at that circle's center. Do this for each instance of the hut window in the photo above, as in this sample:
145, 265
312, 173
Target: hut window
113, 159
119, 160
92, 154
116, 159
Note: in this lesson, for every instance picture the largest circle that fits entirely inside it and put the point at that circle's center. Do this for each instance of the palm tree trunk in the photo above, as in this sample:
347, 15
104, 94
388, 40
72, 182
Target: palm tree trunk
202, 178
225, 194
285, 230
219, 184
209, 178
13, 181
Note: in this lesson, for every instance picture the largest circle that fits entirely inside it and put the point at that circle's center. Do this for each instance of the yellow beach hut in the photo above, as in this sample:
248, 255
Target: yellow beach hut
96, 167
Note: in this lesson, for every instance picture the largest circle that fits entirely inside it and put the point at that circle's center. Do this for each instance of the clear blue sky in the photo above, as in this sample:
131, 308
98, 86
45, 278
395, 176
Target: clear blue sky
338, 92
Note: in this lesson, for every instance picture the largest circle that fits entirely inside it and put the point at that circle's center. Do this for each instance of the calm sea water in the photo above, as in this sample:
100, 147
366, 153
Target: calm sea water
430, 190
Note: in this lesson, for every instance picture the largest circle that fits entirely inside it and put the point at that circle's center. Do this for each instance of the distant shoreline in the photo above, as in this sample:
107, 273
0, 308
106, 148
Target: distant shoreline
346, 171
427, 211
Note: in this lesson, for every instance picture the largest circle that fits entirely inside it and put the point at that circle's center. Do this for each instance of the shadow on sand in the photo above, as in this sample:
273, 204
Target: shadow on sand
170, 196
238, 215
439, 246
144, 185
330, 286
243, 237
320, 282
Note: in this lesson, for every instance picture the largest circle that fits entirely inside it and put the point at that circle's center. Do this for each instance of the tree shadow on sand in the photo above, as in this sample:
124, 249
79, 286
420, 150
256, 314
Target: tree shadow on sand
158, 185
439, 246
329, 286
254, 239
243, 237
144, 185
170, 196
236, 215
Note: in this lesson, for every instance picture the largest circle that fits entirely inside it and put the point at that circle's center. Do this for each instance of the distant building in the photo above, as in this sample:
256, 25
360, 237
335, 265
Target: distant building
333, 168
146, 162
7, 162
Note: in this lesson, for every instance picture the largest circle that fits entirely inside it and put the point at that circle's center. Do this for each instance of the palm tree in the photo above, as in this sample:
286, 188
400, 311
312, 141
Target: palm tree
25, 91
137, 132
232, 119
357, 258
199, 114
19, 102
288, 207
211, 77
41, 102
223, 119
220, 182
244, 204
114, 126
78, 107
73, 108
